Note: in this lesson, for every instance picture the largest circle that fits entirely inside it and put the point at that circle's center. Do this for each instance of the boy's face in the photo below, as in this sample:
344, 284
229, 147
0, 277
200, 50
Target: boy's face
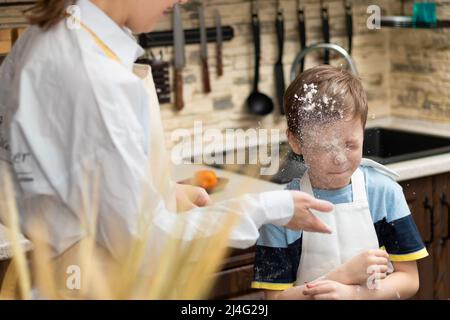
332, 151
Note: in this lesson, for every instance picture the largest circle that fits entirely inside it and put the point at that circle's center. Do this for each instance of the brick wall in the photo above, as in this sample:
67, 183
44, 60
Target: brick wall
225, 106
420, 70
403, 70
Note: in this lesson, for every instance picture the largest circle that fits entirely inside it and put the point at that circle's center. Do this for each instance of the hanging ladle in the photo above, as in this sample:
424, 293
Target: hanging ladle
258, 103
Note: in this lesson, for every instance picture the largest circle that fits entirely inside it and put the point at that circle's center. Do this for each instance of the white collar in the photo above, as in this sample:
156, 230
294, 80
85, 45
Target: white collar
119, 40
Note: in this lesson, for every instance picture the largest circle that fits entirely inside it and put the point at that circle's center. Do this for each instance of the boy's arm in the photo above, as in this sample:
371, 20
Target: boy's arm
402, 284
294, 293
352, 272
359, 268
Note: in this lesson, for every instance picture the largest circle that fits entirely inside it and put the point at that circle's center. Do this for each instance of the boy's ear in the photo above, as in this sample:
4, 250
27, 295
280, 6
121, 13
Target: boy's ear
294, 142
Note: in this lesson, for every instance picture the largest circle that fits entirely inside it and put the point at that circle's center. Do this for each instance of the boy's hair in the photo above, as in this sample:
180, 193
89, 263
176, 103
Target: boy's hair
324, 94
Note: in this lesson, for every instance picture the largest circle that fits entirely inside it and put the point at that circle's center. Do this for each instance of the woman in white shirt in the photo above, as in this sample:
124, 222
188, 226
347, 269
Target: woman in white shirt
70, 104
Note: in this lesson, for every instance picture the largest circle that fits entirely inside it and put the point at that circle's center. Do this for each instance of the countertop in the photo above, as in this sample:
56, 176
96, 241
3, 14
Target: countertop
240, 184
422, 167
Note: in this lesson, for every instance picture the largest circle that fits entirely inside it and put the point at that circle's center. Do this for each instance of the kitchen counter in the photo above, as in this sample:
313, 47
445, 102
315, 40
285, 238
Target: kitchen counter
411, 169
237, 185
422, 167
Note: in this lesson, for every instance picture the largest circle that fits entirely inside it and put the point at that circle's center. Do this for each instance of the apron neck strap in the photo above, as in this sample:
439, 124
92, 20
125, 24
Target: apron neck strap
305, 184
106, 50
358, 185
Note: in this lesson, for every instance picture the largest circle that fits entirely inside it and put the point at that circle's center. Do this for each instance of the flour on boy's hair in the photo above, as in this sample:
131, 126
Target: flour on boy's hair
310, 102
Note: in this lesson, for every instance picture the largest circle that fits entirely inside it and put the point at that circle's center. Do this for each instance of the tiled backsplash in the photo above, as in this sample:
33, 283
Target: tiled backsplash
225, 106
420, 70
405, 71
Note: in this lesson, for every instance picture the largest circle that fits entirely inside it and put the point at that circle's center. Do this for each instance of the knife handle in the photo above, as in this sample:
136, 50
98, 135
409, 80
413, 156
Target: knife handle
205, 72
302, 32
326, 33
178, 78
14, 36
349, 22
219, 60
279, 27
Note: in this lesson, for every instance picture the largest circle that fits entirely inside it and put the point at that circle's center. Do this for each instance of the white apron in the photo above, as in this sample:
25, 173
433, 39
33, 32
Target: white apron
158, 166
159, 161
352, 228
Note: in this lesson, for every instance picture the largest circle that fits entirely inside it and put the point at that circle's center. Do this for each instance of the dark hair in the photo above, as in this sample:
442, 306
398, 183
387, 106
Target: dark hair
323, 94
47, 13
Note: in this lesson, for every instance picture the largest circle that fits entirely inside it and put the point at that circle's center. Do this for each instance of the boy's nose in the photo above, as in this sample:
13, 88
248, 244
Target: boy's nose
338, 159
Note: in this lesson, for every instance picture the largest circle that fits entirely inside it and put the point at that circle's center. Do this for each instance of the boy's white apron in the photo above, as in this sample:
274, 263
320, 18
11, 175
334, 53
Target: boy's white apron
352, 228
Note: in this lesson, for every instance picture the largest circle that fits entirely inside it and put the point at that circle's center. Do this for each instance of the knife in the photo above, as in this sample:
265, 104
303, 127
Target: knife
180, 58
204, 50
279, 73
301, 30
219, 43
349, 23
325, 30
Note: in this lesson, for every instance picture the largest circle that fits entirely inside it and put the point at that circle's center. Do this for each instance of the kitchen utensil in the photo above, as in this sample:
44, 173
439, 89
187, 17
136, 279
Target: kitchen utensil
424, 12
257, 102
204, 50
301, 30
279, 73
349, 24
219, 43
180, 59
14, 36
160, 74
326, 30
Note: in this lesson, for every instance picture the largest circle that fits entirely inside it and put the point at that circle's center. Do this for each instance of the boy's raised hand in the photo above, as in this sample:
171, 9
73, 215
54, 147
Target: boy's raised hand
303, 219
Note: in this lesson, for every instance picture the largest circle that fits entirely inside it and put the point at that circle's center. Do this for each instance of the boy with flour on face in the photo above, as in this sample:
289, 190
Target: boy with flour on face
326, 110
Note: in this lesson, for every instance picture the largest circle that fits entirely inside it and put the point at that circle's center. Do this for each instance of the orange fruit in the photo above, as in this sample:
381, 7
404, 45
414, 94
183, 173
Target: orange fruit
206, 179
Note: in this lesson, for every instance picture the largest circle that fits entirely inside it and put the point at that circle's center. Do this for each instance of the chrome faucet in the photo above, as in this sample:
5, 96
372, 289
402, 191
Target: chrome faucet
331, 46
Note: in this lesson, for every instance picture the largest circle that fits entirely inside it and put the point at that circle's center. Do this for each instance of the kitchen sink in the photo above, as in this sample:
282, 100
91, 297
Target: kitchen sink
389, 146
385, 146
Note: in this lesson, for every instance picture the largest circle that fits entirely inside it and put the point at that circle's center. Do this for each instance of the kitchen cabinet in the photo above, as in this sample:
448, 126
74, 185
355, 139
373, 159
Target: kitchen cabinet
418, 194
427, 198
442, 243
234, 279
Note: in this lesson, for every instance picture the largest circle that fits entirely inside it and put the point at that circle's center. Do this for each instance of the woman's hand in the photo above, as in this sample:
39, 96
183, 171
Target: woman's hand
359, 268
189, 197
303, 219
330, 290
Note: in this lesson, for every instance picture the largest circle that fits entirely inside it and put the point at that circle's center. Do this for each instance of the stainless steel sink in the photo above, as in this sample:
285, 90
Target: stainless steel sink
382, 145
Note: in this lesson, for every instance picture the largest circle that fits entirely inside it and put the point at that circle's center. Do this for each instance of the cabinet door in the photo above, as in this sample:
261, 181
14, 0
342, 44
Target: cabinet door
441, 190
235, 276
419, 194
233, 282
239, 258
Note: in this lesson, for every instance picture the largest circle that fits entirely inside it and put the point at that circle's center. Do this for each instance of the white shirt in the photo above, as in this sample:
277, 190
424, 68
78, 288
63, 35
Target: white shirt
66, 107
